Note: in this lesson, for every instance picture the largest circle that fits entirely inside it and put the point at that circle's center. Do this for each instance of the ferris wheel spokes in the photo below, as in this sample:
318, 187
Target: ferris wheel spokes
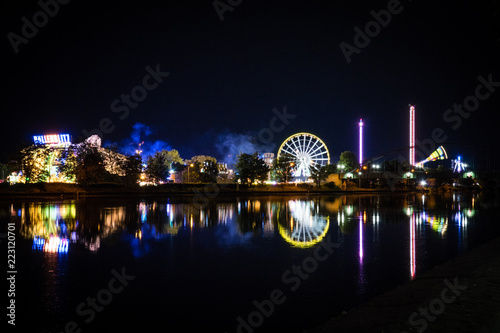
308, 151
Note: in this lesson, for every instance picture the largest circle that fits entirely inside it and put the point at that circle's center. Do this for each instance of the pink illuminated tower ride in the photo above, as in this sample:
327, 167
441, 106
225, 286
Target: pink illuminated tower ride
412, 135
360, 142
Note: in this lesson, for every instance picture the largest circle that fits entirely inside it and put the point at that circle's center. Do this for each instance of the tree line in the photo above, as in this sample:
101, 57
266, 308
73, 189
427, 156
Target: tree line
87, 163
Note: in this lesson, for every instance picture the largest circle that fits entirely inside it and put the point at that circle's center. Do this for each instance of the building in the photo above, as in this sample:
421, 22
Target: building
269, 159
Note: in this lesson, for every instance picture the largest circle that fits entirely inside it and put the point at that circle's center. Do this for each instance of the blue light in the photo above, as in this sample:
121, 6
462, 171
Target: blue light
38, 243
54, 244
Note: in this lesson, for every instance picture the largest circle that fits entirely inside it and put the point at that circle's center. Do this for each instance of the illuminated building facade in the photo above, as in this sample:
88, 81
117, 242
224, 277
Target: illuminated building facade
269, 158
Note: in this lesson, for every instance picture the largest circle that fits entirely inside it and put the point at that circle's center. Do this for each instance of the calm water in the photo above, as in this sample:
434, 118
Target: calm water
204, 267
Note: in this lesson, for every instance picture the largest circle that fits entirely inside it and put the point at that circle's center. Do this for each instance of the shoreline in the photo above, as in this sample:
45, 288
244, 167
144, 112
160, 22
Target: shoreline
181, 190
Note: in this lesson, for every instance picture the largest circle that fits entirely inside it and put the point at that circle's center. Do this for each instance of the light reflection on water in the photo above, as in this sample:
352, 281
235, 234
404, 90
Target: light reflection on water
384, 240
302, 222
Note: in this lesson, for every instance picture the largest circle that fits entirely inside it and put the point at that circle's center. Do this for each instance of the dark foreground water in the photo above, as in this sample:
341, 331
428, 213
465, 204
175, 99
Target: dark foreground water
262, 264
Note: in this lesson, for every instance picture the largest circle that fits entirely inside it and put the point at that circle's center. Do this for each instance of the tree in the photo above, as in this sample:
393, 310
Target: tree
330, 169
250, 168
207, 168
191, 173
4, 171
68, 164
349, 161
317, 174
201, 169
132, 166
202, 158
321, 173
34, 161
209, 172
89, 164
171, 157
156, 169
283, 167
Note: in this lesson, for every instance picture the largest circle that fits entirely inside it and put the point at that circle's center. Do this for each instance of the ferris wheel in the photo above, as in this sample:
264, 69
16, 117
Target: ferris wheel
307, 150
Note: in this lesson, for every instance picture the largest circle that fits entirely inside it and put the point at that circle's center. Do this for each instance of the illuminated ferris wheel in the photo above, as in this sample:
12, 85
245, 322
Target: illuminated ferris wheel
307, 150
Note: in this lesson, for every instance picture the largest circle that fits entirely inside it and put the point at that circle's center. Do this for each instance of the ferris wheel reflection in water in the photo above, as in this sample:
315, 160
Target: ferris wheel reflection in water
304, 228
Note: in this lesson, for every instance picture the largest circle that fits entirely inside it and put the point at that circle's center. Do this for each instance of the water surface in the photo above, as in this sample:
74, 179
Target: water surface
219, 266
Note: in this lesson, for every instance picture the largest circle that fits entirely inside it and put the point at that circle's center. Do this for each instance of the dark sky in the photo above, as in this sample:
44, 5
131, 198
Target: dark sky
226, 77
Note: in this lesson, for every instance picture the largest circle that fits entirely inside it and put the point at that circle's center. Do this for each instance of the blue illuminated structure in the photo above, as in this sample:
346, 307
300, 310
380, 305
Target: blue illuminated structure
458, 165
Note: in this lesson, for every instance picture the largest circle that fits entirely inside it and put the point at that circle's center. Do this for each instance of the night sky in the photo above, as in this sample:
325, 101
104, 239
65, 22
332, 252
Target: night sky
226, 76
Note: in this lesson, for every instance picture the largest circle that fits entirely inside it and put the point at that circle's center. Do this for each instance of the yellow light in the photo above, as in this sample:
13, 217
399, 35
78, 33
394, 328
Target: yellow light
282, 231
304, 134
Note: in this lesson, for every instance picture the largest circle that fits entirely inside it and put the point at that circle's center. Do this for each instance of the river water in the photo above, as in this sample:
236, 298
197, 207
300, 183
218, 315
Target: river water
253, 264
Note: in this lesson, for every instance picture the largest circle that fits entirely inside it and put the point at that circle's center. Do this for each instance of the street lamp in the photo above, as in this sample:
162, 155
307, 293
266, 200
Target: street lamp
189, 166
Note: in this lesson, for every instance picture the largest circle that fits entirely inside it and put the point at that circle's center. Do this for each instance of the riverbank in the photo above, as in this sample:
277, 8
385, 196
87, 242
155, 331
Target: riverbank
462, 295
208, 190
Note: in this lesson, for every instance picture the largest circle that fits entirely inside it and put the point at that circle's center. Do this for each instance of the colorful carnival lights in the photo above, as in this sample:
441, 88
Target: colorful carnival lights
438, 154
